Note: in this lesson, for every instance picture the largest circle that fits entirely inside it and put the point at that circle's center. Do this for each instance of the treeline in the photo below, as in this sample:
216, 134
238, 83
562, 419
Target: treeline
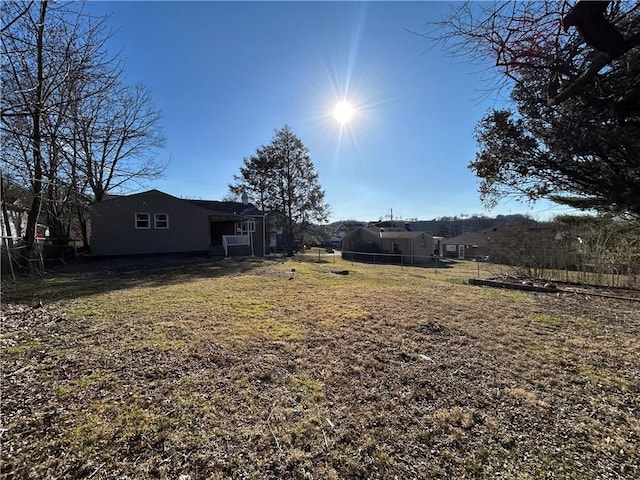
588, 249
448, 227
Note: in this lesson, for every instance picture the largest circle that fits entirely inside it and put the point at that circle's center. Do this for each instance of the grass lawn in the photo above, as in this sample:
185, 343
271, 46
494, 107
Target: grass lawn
234, 369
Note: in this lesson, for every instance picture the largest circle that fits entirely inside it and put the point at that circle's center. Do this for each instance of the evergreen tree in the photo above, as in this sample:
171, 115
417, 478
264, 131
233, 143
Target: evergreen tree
281, 178
255, 179
573, 135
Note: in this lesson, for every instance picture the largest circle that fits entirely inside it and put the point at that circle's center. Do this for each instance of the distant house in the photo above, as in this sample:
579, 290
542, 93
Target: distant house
397, 245
276, 234
467, 246
17, 202
16, 220
155, 222
338, 234
507, 243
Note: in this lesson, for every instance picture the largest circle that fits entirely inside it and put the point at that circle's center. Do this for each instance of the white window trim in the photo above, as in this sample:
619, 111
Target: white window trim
135, 220
246, 227
155, 221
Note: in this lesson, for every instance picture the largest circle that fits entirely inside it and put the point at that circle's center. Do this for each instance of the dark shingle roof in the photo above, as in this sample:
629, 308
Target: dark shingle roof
233, 208
469, 238
394, 233
402, 234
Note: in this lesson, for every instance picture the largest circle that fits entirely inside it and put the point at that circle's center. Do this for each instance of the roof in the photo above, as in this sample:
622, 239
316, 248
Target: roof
469, 238
403, 234
226, 208
399, 224
233, 208
393, 233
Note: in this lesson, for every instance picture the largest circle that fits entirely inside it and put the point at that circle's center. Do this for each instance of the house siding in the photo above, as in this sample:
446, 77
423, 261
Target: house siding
114, 232
413, 248
474, 244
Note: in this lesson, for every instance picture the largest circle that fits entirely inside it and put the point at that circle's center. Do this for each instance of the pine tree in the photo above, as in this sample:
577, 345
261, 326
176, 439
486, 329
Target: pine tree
573, 134
281, 178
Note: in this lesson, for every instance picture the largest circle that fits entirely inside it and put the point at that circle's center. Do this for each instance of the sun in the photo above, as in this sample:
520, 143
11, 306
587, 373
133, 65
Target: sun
343, 112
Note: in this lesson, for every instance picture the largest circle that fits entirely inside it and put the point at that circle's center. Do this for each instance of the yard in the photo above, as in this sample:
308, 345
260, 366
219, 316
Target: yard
246, 369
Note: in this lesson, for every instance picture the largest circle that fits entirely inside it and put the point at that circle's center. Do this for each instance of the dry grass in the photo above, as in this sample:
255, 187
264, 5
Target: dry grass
232, 370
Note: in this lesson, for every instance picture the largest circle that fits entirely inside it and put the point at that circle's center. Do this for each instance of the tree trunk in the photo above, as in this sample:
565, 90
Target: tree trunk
290, 239
82, 223
5, 215
36, 116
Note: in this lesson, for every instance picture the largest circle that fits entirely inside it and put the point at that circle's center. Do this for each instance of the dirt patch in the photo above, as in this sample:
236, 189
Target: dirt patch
545, 286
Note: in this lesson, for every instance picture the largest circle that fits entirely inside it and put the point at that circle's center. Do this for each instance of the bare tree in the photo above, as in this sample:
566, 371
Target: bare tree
573, 135
70, 129
24, 81
516, 37
114, 138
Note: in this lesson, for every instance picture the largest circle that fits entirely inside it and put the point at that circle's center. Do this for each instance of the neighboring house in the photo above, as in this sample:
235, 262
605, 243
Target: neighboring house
154, 222
17, 221
468, 245
338, 234
511, 244
17, 210
399, 245
275, 234
15, 206
277, 241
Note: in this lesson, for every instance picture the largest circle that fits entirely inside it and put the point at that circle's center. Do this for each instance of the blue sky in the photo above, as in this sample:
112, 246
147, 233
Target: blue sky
226, 75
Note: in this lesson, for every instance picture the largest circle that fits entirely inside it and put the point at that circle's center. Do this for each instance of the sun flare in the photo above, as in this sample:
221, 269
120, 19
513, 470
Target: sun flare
343, 112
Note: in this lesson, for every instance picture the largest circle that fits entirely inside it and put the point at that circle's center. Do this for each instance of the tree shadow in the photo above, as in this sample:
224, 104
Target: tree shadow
93, 276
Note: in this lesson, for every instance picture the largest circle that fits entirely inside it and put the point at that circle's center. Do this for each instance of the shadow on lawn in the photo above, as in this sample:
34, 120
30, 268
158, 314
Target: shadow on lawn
94, 276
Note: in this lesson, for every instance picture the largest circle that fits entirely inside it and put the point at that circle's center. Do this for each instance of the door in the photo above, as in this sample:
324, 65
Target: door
461, 252
218, 229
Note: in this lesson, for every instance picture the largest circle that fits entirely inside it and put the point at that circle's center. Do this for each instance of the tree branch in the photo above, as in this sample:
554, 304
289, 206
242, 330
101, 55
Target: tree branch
584, 78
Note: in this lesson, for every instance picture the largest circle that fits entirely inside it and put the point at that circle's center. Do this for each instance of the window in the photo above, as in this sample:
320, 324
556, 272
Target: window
450, 248
143, 221
161, 220
244, 228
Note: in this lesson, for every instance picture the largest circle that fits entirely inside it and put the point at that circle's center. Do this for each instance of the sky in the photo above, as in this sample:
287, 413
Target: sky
226, 75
